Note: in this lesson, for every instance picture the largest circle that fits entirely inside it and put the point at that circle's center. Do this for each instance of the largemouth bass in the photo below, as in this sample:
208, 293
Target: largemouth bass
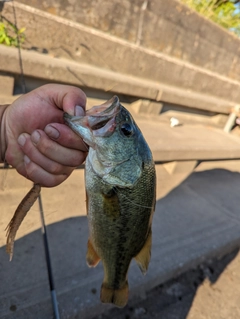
120, 184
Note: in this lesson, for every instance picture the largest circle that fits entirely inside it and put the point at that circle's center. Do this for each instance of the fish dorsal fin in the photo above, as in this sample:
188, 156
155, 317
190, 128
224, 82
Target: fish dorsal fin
143, 257
92, 257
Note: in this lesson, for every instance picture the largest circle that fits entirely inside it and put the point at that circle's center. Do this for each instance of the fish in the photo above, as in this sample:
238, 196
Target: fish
120, 182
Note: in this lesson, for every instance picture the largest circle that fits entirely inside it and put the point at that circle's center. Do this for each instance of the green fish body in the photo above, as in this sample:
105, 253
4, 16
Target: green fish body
120, 183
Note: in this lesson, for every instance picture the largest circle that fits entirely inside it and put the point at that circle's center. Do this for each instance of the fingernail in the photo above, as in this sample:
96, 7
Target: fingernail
51, 131
21, 140
26, 159
35, 137
79, 111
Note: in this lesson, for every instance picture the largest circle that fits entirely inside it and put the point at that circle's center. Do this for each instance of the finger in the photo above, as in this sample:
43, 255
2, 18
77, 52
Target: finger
55, 151
38, 175
79, 111
65, 136
34, 155
65, 97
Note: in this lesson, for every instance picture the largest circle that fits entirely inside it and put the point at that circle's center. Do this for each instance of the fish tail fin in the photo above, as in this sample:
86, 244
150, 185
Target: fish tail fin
118, 297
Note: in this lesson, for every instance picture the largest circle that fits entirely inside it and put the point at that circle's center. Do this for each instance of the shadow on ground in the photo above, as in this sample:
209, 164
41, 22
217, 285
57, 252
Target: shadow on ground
173, 299
24, 280
201, 203
198, 218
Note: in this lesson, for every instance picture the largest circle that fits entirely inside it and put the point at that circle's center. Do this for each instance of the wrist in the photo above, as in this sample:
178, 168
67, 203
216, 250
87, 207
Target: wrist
3, 142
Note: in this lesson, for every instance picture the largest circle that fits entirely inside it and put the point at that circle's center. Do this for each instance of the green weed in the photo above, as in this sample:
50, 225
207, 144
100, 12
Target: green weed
10, 35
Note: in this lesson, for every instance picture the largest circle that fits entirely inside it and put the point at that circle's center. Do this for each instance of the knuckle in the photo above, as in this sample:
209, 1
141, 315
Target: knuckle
55, 168
31, 172
46, 180
29, 148
45, 146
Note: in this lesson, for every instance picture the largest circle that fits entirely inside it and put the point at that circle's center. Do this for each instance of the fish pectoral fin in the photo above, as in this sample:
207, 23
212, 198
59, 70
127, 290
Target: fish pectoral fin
119, 297
92, 257
144, 256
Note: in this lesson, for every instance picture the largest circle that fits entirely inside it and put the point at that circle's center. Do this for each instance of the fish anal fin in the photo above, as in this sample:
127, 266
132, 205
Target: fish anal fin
92, 257
118, 297
144, 256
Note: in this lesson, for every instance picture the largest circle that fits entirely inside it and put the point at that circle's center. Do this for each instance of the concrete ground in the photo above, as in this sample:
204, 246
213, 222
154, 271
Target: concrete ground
210, 291
197, 219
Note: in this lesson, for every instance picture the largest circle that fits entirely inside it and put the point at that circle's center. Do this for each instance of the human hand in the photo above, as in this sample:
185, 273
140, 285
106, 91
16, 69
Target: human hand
35, 139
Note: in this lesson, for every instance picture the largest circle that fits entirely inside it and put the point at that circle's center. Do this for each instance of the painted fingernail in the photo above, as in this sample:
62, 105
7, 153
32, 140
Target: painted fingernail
79, 111
26, 159
21, 140
35, 137
51, 132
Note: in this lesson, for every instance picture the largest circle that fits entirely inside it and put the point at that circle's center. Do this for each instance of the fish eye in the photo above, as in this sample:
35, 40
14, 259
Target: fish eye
127, 129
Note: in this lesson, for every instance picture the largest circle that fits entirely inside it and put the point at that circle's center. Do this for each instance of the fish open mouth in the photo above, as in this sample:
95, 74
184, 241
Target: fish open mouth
107, 108
99, 119
99, 125
99, 116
